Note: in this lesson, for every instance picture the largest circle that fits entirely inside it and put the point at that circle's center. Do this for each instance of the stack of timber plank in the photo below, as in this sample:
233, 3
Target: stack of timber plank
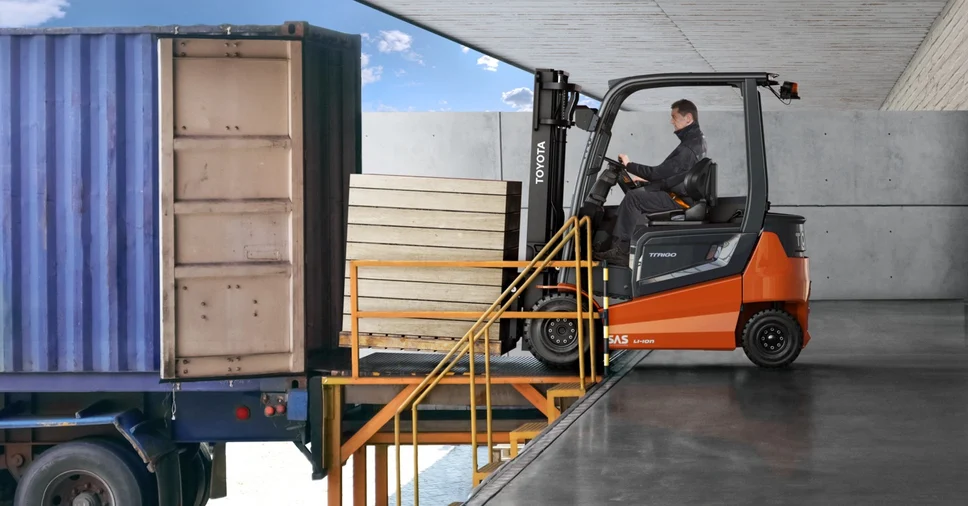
429, 218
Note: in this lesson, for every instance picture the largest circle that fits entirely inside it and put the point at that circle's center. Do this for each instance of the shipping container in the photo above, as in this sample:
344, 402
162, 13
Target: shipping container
173, 199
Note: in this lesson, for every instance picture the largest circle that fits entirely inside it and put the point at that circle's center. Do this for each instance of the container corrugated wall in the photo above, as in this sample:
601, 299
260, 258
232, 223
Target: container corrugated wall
78, 203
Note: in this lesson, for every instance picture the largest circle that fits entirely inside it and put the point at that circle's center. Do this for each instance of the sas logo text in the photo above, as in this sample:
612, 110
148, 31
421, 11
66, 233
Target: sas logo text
616, 339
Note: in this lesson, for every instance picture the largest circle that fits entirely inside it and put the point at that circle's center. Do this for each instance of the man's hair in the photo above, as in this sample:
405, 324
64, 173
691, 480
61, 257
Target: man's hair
685, 106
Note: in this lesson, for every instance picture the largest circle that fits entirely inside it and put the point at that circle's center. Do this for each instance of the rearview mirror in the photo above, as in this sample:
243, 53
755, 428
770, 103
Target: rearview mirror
586, 118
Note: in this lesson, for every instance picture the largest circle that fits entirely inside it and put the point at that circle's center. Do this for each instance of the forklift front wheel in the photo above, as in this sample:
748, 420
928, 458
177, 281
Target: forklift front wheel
554, 341
772, 338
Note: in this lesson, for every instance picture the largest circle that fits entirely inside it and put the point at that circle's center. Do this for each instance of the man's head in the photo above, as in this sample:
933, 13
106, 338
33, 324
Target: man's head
684, 113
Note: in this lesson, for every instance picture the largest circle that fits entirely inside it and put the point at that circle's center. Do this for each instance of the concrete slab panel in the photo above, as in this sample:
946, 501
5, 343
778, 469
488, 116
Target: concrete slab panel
432, 144
886, 252
867, 158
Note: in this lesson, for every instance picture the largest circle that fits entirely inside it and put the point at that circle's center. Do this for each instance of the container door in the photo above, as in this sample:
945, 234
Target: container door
232, 208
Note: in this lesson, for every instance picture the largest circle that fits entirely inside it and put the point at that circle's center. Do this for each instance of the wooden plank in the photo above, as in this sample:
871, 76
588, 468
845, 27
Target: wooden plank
424, 291
383, 304
436, 184
407, 199
415, 343
461, 276
412, 236
364, 251
489, 222
416, 327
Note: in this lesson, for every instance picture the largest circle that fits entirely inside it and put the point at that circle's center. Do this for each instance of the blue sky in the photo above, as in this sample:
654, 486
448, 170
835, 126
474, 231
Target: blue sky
406, 68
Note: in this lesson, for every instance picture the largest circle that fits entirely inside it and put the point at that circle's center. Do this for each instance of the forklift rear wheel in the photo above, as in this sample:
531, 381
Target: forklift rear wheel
772, 338
554, 341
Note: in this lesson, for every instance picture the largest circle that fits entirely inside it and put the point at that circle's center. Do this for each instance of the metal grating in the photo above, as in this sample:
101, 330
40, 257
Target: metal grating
420, 364
847, 54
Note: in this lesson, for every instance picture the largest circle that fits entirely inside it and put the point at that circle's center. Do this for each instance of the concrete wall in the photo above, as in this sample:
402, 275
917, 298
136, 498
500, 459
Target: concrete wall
937, 76
885, 194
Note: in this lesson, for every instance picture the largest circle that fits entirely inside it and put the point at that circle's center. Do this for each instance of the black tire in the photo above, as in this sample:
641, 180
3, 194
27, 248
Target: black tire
772, 328
101, 464
196, 471
560, 351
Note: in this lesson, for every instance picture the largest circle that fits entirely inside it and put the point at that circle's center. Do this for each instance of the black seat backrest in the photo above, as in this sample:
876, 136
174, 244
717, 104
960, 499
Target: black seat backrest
700, 182
700, 186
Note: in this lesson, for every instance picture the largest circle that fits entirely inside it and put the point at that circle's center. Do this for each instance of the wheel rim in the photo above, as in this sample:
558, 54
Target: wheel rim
560, 334
78, 488
772, 340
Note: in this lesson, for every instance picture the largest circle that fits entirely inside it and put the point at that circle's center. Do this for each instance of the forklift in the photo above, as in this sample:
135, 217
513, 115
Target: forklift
720, 274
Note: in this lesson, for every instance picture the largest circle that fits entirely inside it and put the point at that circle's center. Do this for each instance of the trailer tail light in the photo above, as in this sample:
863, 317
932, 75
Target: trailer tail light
242, 413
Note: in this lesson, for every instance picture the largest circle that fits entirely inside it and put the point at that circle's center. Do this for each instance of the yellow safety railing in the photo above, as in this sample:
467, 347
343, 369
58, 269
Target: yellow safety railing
541, 261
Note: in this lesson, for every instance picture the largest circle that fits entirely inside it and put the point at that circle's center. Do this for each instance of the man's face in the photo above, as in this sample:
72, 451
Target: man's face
680, 121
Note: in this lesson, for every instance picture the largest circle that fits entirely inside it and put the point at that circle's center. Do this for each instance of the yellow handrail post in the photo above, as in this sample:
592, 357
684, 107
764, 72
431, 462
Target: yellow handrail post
471, 355
487, 396
591, 296
354, 320
580, 321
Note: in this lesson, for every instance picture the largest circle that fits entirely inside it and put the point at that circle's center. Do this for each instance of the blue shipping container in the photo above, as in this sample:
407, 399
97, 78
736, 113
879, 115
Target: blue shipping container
78, 203
79, 196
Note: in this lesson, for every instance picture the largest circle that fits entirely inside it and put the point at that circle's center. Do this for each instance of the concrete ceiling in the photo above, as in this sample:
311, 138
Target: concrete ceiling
846, 54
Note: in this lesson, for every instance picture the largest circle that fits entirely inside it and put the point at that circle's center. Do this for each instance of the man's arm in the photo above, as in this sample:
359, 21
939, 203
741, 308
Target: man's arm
676, 162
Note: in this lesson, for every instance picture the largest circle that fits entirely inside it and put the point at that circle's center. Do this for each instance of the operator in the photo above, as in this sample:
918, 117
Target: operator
663, 178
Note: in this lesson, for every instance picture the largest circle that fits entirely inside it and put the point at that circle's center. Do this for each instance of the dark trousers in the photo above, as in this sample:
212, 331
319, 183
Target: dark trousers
632, 211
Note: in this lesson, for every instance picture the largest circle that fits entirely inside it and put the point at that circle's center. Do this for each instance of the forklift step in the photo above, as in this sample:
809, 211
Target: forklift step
485, 471
524, 433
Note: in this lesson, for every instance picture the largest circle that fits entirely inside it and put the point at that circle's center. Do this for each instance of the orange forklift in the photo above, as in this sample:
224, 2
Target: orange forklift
720, 274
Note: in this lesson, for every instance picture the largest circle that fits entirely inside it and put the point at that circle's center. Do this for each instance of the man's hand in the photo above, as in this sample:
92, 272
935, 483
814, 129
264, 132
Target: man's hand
624, 159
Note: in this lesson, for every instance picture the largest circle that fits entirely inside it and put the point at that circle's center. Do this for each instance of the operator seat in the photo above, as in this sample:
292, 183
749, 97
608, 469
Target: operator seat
699, 183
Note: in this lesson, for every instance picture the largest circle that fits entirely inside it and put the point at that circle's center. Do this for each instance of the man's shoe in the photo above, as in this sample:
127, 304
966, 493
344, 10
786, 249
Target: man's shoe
614, 256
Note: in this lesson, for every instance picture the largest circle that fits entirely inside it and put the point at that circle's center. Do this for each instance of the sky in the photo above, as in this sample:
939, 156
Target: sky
403, 68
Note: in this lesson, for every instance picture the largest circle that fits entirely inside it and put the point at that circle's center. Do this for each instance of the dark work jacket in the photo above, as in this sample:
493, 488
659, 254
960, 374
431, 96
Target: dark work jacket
669, 174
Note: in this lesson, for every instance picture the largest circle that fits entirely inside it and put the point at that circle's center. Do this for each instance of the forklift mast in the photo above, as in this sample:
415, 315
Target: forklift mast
554, 103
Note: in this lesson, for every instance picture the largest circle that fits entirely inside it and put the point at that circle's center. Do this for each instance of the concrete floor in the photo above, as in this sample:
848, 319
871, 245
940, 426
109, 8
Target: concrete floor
875, 411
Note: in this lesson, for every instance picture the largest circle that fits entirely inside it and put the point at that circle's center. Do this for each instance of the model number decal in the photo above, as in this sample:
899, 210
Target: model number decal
616, 339
662, 255
644, 341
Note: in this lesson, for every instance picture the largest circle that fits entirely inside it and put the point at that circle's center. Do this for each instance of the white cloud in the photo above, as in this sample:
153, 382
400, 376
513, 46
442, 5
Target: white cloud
395, 41
365, 36
520, 99
488, 63
464, 49
25, 13
399, 72
369, 74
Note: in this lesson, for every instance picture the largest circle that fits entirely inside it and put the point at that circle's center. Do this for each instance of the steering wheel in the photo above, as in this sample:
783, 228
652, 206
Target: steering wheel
624, 180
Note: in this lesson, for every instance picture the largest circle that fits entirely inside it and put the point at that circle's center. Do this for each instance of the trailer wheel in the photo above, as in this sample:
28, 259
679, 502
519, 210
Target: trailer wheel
772, 338
554, 341
88, 473
196, 477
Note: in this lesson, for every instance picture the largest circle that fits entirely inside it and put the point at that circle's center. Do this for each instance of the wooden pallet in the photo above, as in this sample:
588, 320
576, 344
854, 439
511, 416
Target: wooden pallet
428, 218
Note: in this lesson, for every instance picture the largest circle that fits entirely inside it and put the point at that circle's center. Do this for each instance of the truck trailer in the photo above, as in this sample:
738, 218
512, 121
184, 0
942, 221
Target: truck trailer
172, 230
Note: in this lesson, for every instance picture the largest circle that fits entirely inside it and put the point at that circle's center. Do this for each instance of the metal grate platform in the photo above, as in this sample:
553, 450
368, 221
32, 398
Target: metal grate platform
398, 364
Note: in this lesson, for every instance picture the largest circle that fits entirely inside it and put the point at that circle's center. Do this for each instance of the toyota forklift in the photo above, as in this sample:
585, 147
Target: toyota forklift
720, 274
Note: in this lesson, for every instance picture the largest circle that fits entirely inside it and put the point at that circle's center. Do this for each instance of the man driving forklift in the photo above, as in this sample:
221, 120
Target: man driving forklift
664, 181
